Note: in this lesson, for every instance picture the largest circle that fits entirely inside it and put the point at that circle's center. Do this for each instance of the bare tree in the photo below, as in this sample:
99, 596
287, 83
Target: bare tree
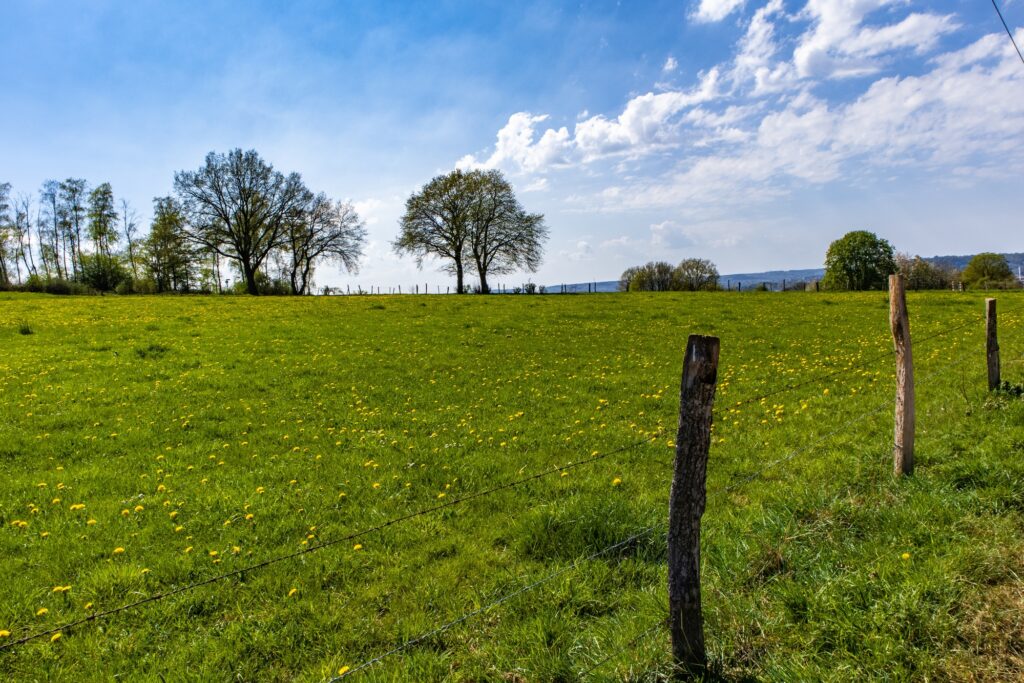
23, 233
130, 228
502, 236
239, 207
436, 224
322, 231
8, 255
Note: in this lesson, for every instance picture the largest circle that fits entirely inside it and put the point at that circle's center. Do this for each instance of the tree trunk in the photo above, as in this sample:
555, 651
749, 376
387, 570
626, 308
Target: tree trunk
484, 287
250, 279
459, 288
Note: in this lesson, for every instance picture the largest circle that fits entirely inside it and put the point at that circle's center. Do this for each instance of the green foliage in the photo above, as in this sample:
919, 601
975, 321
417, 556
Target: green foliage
859, 261
691, 275
988, 270
172, 419
101, 272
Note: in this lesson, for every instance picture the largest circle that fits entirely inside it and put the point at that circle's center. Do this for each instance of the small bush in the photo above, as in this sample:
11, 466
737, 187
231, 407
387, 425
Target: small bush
24, 328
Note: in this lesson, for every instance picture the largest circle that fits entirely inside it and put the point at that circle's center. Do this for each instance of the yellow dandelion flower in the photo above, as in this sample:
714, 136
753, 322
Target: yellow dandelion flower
78, 506
616, 481
87, 605
260, 489
61, 589
55, 637
41, 612
178, 529
91, 522
357, 546
293, 592
343, 670
118, 550
905, 556
214, 553
4, 633
139, 508
188, 550
125, 512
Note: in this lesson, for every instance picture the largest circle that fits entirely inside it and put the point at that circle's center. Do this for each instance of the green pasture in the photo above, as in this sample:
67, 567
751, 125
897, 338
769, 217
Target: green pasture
150, 442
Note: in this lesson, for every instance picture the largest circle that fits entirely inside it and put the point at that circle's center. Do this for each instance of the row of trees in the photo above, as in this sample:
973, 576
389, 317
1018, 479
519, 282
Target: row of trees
268, 227
691, 275
861, 260
235, 211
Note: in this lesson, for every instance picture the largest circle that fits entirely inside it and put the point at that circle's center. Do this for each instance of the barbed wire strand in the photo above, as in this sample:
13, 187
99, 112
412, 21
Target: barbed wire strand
480, 610
628, 646
324, 544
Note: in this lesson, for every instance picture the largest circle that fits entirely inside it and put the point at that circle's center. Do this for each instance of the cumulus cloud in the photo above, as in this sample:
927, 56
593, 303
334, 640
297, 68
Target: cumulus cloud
670, 65
716, 10
646, 123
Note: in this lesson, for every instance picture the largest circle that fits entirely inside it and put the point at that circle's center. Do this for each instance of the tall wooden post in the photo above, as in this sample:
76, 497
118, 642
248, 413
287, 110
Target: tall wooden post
899, 321
991, 344
686, 503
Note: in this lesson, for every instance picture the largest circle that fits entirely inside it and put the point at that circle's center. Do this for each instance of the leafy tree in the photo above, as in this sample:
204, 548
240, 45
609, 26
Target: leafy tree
988, 270
860, 260
436, 224
655, 276
72, 215
167, 253
239, 207
695, 275
103, 220
322, 230
503, 237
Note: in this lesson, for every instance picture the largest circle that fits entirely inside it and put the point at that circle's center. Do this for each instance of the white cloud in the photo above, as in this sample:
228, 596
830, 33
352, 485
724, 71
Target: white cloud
838, 45
670, 65
716, 10
517, 147
368, 210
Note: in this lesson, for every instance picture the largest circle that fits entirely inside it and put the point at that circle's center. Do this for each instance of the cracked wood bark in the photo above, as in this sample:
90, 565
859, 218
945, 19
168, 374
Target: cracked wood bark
903, 444
686, 503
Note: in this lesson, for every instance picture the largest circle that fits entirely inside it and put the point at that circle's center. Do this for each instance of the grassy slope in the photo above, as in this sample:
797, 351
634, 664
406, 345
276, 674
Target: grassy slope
174, 419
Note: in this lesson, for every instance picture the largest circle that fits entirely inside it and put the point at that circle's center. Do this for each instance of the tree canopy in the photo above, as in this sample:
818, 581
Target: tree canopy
988, 270
859, 260
238, 206
691, 275
472, 221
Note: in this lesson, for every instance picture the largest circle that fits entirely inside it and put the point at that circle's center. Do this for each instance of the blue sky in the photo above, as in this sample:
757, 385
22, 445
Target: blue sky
749, 132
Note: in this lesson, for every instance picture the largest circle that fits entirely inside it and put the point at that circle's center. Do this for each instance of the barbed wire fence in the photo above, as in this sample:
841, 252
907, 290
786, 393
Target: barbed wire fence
634, 446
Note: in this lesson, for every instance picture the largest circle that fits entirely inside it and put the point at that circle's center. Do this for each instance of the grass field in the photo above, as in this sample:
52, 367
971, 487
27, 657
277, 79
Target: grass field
146, 443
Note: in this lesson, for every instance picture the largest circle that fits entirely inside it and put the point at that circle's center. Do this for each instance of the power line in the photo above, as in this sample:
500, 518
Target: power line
325, 544
1008, 31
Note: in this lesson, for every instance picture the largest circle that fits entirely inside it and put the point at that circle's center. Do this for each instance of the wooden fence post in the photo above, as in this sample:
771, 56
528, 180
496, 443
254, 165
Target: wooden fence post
899, 321
991, 344
687, 500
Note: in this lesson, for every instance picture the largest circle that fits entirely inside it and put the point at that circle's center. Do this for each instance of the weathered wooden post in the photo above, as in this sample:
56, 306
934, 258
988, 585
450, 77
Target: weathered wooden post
899, 321
686, 503
991, 344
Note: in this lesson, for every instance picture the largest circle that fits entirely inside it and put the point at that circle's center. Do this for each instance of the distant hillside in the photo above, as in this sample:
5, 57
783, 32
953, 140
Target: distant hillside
776, 278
